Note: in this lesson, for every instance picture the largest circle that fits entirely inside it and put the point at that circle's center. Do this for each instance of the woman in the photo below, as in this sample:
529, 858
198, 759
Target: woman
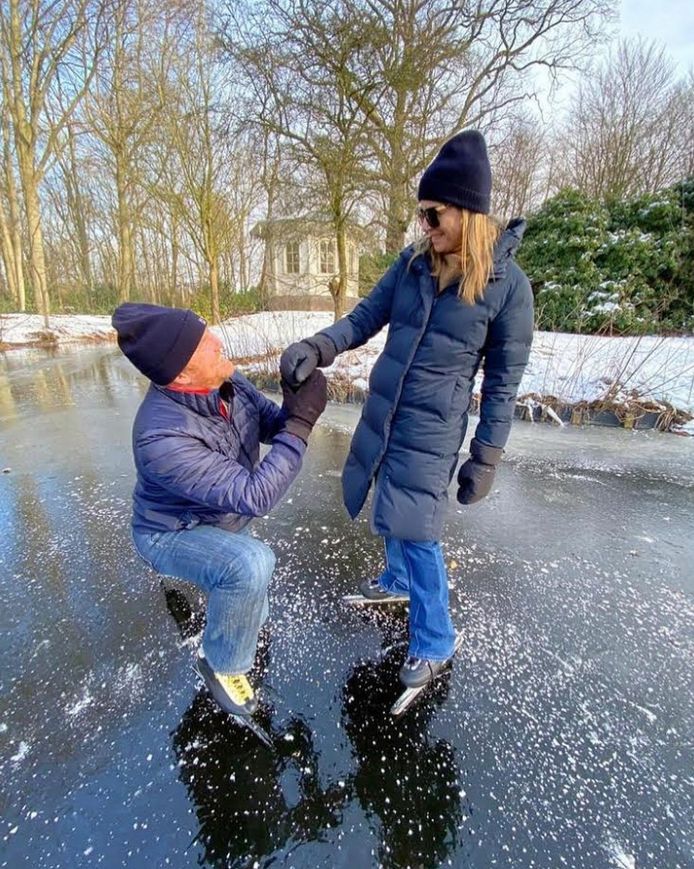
455, 300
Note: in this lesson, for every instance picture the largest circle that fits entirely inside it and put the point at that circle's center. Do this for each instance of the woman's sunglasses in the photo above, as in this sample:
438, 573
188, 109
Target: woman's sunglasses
430, 215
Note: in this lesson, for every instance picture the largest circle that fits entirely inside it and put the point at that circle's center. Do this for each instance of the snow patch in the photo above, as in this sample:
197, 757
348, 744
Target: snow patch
25, 329
22, 752
81, 704
619, 857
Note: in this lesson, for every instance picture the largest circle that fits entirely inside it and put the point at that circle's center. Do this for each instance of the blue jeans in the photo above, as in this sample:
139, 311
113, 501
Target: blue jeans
234, 570
418, 568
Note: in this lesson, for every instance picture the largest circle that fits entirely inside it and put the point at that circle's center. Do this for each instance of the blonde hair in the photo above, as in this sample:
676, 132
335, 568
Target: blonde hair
479, 234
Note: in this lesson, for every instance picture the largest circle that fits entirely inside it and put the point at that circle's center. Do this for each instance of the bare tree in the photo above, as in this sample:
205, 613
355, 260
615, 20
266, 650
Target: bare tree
243, 192
436, 67
124, 108
48, 54
69, 201
628, 130
271, 184
296, 57
520, 159
196, 152
11, 243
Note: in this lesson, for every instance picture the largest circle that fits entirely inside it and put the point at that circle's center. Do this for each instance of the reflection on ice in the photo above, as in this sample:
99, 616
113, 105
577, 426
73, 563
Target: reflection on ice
559, 736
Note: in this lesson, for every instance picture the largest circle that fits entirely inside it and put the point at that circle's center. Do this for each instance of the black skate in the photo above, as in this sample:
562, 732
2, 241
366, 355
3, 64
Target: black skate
417, 674
370, 592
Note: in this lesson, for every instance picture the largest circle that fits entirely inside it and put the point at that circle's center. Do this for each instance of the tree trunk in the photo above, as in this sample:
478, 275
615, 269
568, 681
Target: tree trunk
232, 281
12, 227
17, 245
37, 259
30, 185
340, 288
175, 248
126, 257
397, 216
214, 290
243, 258
266, 284
76, 203
8, 256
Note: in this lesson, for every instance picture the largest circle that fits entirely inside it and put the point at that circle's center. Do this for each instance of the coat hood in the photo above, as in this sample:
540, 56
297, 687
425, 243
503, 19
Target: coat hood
507, 245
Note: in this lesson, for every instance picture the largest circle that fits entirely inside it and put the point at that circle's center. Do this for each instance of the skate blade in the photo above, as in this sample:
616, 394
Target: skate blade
254, 727
245, 721
409, 695
405, 700
360, 600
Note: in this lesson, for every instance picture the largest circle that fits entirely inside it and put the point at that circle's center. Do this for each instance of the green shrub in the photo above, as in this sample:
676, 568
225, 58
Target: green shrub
622, 267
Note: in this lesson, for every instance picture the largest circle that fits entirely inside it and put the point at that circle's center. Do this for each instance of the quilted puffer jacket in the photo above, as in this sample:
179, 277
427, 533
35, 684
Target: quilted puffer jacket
196, 464
415, 417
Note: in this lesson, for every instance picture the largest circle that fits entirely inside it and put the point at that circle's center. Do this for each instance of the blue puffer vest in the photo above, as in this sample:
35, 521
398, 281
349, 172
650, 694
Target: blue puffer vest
415, 417
196, 466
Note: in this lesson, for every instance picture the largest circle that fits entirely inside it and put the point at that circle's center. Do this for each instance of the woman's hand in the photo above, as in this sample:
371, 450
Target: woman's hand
300, 359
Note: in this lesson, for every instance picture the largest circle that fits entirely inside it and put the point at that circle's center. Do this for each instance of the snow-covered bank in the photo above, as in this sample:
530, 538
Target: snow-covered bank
645, 373
28, 330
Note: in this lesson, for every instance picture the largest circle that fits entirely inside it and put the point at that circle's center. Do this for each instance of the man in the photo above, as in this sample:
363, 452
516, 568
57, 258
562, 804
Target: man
200, 479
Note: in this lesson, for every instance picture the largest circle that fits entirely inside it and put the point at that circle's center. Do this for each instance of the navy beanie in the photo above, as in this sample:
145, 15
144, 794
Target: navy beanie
460, 174
158, 341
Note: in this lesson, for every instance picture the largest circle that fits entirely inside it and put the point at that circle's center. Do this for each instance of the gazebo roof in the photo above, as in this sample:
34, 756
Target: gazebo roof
299, 226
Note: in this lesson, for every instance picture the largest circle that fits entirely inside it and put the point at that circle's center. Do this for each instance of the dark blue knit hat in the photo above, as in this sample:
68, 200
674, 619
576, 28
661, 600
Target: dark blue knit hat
460, 174
158, 341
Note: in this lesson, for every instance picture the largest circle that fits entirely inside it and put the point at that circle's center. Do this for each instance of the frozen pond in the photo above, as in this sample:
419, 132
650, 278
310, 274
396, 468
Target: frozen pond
562, 737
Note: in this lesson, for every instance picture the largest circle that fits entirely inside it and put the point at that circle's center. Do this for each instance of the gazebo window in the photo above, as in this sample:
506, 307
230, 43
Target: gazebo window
327, 256
292, 261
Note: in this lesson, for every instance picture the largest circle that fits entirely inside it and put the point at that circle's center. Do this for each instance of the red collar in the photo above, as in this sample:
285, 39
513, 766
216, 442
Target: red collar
196, 391
223, 406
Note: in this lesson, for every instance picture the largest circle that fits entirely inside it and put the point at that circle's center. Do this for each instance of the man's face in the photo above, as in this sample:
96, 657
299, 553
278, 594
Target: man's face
208, 367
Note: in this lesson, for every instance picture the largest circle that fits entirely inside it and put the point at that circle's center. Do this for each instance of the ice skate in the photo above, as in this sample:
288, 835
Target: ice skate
234, 695
417, 674
370, 592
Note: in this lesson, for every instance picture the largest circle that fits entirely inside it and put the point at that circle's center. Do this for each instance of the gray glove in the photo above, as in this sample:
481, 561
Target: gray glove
300, 359
476, 475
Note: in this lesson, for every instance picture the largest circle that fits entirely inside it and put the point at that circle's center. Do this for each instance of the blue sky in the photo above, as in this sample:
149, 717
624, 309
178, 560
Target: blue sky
670, 22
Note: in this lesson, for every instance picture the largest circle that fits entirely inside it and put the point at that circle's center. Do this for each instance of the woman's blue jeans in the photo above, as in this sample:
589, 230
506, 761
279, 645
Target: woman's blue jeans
418, 568
234, 570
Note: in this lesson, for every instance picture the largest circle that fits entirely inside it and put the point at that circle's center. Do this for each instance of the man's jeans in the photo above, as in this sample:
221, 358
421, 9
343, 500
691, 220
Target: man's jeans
234, 570
418, 569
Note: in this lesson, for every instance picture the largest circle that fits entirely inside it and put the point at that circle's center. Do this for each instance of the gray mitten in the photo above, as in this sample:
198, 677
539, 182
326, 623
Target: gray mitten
300, 359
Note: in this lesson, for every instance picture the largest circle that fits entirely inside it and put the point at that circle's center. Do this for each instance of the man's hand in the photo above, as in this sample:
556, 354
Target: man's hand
305, 404
476, 475
300, 359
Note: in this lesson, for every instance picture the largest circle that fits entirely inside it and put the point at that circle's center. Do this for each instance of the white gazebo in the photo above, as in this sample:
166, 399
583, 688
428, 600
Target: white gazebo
301, 262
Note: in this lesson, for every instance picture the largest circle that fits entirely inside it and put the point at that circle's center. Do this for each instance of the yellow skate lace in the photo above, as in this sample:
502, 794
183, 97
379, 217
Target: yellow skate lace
237, 687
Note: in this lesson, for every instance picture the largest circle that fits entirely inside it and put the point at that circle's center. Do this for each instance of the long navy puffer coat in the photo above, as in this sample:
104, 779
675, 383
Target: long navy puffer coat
415, 417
